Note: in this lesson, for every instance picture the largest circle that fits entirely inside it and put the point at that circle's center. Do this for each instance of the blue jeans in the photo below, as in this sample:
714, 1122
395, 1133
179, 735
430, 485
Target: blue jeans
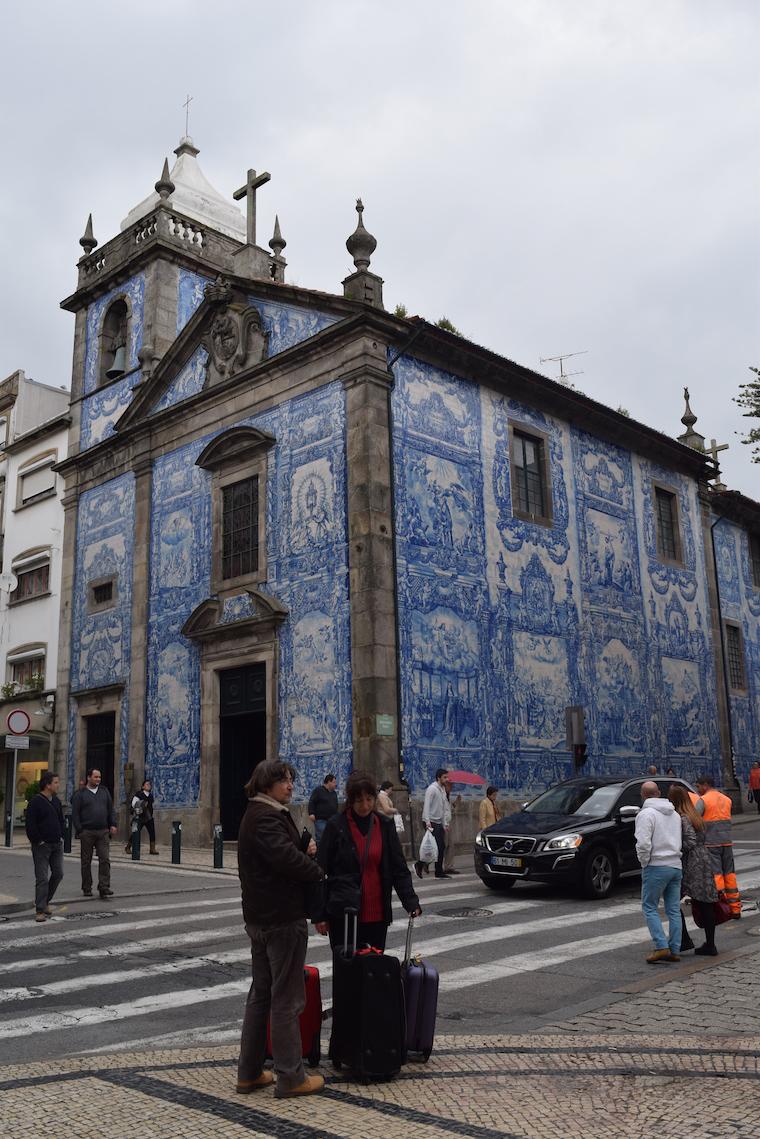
319, 829
662, 882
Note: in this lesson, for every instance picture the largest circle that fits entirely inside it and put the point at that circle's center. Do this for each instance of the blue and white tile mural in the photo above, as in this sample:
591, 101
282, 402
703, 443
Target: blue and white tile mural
740, 602
287, 325
102, 407
503, 623
101, 642
306, 570
188, 381
190, 288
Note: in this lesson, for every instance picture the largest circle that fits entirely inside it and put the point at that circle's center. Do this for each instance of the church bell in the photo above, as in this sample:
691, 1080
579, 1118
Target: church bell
118, 366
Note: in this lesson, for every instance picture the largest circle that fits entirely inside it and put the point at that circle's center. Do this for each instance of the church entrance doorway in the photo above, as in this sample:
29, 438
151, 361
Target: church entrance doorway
101, 746
242, 738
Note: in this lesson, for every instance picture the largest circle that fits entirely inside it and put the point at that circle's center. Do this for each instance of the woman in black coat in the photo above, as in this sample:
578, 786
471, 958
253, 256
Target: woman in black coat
361, 857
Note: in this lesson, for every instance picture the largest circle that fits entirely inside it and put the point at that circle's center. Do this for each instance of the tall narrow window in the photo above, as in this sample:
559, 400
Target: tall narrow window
735, 657
668, 539
240, 528
754, 558
530, 491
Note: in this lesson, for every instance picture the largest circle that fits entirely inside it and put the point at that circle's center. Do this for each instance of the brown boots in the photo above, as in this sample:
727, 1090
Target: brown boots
153, 848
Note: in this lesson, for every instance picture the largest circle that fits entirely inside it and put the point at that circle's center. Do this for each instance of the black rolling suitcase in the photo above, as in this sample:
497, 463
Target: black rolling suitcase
368, 1021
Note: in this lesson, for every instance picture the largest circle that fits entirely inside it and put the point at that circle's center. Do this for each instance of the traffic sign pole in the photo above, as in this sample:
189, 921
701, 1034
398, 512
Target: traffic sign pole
11, 803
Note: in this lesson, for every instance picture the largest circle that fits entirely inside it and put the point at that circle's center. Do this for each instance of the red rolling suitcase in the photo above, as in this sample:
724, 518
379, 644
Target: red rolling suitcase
368, 1027
421, 997
310, 1019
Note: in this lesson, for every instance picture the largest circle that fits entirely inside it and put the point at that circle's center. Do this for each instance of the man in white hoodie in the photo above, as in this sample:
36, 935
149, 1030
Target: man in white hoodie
658, 847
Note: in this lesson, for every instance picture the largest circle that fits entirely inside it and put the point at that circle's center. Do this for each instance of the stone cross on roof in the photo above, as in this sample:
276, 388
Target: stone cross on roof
248, 192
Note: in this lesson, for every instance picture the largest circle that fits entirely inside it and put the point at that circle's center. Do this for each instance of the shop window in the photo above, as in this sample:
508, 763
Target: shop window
754, 558
668, 529
529, 476
735, 657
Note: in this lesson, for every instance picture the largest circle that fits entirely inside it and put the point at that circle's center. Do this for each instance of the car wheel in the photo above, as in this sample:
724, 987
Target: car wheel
498, 883
599, 873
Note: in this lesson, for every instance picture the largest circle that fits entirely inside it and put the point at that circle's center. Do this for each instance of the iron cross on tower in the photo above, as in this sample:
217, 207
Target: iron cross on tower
186, 105
249, 193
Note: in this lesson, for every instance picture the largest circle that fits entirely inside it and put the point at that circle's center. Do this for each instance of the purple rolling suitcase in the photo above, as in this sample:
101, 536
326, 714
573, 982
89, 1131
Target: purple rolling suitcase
421, 996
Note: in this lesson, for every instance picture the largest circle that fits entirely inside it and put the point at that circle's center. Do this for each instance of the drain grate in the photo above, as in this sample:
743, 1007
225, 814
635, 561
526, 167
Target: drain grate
90, 916
464, 912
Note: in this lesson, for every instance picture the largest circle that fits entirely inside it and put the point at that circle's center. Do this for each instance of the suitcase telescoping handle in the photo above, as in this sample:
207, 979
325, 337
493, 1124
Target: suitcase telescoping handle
349, 913
409, 935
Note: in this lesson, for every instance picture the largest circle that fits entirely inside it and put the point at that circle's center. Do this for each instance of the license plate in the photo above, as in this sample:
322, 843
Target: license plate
503, 860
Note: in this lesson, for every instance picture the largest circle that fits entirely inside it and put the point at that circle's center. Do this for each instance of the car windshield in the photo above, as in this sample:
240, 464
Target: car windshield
576, 799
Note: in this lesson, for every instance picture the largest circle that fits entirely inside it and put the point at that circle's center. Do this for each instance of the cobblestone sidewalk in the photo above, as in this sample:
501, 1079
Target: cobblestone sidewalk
498, 1087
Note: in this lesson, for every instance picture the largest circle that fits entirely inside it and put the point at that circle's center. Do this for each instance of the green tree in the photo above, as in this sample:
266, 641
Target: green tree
447, 326
749, 399
400, 310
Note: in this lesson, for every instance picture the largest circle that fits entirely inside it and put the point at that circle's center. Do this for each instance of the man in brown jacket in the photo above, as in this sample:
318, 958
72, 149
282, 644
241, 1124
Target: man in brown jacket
275, 875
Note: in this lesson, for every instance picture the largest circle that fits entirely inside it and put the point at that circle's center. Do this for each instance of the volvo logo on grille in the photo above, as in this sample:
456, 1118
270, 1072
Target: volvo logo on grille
508, 844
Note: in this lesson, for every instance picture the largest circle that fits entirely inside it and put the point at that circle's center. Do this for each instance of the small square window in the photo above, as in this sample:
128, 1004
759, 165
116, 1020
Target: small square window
754, 558
240, 528
666, 517
102, 594
735, 658
531, 490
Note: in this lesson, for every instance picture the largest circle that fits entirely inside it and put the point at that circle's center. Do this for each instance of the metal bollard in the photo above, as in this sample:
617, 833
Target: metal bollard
135, 840
176, 842
218, 847
67, 834
9, 828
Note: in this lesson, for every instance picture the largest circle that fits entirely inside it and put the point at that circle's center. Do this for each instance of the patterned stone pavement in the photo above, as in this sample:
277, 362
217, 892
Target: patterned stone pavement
498, 1087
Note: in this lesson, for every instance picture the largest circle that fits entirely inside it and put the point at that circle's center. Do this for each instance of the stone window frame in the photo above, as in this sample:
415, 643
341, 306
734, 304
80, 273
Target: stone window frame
527, 430
38, 462
94, 606
101, 380
237, 454
672, 491
753, 550
29, 561
736, 628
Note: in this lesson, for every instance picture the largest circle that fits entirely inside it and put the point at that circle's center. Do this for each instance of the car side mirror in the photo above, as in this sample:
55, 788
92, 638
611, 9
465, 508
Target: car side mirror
627, 813
523, 806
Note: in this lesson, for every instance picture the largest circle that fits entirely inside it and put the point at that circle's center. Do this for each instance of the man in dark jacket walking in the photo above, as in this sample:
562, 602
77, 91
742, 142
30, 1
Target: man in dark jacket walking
275, 877
94, 821
44, 829
323, 804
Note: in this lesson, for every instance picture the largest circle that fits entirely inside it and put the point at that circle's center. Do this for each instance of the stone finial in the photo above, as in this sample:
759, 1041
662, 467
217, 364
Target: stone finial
164, 186
361, 244
87, 240
690, 437
277, 242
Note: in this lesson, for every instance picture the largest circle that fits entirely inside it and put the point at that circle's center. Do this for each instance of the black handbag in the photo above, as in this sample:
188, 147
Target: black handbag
343, 890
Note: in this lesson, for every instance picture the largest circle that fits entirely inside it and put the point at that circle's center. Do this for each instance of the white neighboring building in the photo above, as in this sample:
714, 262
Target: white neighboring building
34, 424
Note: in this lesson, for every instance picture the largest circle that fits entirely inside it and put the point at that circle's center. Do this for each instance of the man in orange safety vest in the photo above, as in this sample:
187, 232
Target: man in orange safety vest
717, 819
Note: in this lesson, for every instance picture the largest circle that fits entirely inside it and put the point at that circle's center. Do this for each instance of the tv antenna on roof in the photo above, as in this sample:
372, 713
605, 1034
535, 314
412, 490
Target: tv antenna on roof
563, 376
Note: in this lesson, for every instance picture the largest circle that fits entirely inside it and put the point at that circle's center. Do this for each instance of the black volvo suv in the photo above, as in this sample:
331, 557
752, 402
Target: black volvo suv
580, 832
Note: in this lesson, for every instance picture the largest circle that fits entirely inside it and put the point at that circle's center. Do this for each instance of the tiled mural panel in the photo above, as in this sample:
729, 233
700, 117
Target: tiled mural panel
740, 602
188, 381
100, 642
307, 572
190, 288
101, 408
503, 623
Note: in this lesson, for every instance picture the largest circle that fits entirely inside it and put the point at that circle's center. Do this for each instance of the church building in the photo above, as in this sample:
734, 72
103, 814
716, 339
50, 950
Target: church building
300, 526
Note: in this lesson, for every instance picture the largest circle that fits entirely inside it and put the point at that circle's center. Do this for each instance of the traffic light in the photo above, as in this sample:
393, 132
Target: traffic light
579, 754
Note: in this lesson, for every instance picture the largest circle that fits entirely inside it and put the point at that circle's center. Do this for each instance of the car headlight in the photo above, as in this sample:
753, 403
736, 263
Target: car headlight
479, 840
564, 842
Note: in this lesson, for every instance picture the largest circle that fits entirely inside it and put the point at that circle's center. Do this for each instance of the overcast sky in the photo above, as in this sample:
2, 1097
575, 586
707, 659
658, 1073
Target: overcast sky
552, 175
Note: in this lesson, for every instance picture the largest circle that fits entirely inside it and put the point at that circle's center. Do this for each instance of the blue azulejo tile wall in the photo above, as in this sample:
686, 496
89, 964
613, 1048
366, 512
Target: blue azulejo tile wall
102, 407
504, 623
740, 603
101, 641
307, 572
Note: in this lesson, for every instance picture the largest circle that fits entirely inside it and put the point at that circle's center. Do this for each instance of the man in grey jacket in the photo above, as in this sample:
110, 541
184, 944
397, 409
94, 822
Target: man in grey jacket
94, 821
658, 847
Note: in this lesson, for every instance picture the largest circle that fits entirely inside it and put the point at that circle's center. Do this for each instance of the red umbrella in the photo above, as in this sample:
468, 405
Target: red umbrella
465, 777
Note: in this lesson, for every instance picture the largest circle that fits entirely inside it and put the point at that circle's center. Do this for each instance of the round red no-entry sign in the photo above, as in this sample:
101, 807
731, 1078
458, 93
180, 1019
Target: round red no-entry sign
18, 722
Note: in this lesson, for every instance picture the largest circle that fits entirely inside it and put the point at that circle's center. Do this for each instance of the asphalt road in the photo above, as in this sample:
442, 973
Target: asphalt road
169, 969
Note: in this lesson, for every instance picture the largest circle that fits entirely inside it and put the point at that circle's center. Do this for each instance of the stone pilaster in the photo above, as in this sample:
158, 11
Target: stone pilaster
138, 671
160, 309
62, 760
374, 663
728, 774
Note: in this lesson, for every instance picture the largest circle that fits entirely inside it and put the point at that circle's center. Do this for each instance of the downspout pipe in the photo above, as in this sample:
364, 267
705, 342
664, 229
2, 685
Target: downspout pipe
729, 774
